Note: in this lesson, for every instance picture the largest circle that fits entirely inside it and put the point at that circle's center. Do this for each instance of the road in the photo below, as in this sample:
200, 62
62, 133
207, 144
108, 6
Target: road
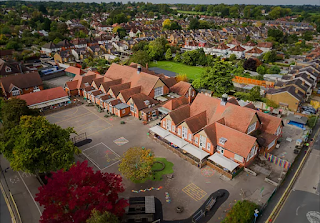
301, 196
4, 212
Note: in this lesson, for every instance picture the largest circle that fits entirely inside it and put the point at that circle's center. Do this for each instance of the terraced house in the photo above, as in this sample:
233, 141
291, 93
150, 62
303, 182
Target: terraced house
219, 132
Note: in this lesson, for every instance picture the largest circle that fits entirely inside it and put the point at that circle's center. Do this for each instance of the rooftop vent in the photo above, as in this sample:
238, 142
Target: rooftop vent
222, 140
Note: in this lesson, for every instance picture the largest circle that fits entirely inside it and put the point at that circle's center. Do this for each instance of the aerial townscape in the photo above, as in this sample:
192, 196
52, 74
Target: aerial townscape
124, 112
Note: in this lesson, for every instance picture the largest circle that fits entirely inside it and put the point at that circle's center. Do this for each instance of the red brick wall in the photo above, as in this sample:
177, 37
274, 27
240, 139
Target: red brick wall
120, 113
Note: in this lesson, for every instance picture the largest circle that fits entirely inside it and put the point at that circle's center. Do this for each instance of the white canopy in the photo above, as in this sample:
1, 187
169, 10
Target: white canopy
159, 131
195, 151
175, 140
49, 103
223, 161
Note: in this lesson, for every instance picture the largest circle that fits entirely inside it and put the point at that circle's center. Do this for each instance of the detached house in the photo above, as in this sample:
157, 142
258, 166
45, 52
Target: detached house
219, 133
15, 85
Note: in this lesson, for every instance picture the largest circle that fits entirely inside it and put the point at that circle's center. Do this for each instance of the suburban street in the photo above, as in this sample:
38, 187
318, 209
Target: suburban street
4, 212
304, 198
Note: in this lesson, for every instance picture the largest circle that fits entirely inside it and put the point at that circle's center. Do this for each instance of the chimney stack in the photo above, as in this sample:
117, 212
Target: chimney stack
224, 99
139, 69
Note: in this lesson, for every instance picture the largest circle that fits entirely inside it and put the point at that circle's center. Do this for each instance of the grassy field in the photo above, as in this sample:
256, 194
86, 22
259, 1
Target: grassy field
191, 12
157, 176
179, 68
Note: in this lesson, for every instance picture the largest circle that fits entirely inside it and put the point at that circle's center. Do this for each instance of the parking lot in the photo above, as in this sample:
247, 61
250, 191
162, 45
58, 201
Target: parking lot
190, 186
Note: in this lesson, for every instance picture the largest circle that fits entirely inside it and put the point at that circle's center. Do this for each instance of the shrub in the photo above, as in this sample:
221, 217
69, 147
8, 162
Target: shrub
242, 212
312, 121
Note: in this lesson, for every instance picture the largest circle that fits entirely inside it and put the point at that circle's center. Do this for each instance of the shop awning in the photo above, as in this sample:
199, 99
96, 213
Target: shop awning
159, 131
223, 161
175, 140
195, 151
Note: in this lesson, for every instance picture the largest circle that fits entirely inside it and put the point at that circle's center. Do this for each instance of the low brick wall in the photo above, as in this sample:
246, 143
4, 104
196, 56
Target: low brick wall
250, 171
229, 175
183, 156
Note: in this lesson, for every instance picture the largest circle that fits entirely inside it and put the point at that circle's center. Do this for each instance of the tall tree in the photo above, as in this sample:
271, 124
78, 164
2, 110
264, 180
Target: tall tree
37, 146
105, 217
194, 24
12, 110
140, 57
218, 78
136, 163
250, 64
157, 48
168, 54
70, 196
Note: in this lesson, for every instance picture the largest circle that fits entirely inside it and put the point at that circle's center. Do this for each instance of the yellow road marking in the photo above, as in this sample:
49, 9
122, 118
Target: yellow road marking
98, 116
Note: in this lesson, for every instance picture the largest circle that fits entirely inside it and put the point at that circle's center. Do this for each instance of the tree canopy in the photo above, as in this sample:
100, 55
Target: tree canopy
242, 212
217, 78
140, 57
105, 217
71, 196
37, 146
136, 163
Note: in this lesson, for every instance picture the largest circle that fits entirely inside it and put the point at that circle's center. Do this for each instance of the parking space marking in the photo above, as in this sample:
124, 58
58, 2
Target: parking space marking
195, 192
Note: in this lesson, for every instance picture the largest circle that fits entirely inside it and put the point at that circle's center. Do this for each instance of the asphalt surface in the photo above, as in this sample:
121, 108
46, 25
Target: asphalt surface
158, 70
289, 209
4, 212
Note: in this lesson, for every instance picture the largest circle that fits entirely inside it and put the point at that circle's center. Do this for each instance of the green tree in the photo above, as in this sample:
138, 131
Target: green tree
274, 70
140, 57
254, 94
136, 163
168, 54
177, 57
12, 110
232, 57
307, 36
105, 217
270, 56
157, 48
37, 146
120, 31
194, 24
217, 78
261, 70
242, 212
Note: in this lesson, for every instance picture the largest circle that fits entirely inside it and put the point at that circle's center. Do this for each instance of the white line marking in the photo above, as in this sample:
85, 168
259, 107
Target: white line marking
30, 194
110, 149
110, 165
91, 147
94, 163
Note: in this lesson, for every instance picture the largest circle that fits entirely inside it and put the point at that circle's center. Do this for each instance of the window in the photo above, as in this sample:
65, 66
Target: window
271, 144
222, 140
158, 91
238, 158
8, 69
15, 93
168, 124
252, 153
131, 107
179, 131
164, 123
252, 127
278, 131
192, 93
184, 132
220, 149
173, 128
208, 146
196, 140
123, 111
190, 137
202, 141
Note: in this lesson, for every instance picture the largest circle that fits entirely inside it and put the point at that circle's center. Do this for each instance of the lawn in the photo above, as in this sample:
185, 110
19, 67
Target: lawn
157, 176
191, 12
192, 72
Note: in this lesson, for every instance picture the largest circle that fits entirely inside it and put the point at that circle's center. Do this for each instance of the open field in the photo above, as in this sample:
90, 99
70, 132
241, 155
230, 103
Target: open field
191, 12
179, 68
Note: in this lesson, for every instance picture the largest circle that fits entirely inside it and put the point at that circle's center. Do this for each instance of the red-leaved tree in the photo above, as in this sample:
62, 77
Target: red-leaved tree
71, 195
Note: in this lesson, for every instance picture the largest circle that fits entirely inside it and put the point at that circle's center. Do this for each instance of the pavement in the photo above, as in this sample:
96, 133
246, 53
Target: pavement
158, 70
303, 202
308, 179
4, 212
57, 82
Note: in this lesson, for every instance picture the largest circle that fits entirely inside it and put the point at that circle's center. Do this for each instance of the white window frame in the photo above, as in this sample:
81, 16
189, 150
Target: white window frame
179, 131
131, 107
252, 127
238, 158
168, 124
8, 69
123, 111
202, 143
252, 153
208, 146
173, 128
184, 132
158, 91
271, 144
190, 137
278, 131
220, 149
196, 140
15, 92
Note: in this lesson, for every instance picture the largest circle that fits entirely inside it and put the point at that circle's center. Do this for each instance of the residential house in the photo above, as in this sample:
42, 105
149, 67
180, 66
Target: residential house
49, 48
11, 68
254, 52
19, 84
73, 71
140, 105
64, 57
80, 54
265, 46
185, 89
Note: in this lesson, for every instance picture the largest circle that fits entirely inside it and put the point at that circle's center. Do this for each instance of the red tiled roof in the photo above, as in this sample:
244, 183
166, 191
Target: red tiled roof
222, 46
169, 81
265, 45
255, 50
108, 84
269, 123
127, 93
238, 48
250, 44
197, 122
181, 88
175, 103
233, 101
117, 88
180, 114
74, 70
72, 85
139, 100
43, 96
235, 42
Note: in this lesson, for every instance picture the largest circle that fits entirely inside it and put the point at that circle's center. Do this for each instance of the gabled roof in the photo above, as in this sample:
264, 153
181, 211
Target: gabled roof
238, 48
233, 101
127, 93
222, 46
43, 96
175, 103
255, 50
169, 81
181, 88
98, 81
235, 42
117, 88
269, 123
180, 114
197, 122
290, 89
22, 81
108, 84
140, 101
74, 70
72, 85
265, 45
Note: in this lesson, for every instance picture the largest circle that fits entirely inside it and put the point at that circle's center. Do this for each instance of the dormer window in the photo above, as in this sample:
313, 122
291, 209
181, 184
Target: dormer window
252, 127
222, 140
8, 69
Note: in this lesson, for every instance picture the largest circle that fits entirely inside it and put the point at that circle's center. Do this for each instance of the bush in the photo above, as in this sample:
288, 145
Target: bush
312, 121
242, 212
